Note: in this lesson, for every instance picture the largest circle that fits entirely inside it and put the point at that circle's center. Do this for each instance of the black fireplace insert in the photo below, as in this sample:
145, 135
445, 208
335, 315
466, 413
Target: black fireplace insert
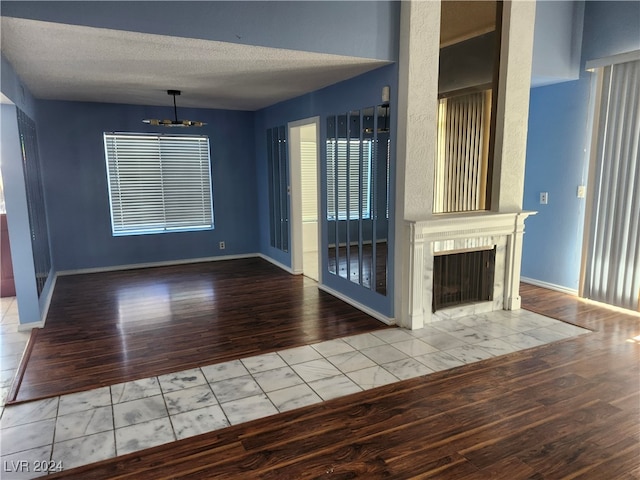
462, 278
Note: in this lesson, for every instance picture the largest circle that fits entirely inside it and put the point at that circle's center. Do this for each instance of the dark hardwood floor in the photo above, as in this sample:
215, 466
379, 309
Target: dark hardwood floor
569, 409
108, 328
350, 268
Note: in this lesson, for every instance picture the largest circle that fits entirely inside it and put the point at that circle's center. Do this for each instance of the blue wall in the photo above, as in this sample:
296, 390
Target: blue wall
358, 28
610, 28
467, 64
360, 92
72, 150
70, 134
557, 41
15, 90
556, 163
557, 150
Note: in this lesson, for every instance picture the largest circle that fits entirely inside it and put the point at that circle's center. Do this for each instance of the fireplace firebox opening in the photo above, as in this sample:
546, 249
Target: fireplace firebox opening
463, 278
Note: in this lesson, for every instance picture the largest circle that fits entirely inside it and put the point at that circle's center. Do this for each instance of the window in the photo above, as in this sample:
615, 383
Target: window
158, 183
462, 165
359, 192
611, 256
309, 181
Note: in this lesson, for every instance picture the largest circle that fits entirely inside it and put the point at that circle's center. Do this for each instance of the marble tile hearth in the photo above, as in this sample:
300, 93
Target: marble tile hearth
86, 427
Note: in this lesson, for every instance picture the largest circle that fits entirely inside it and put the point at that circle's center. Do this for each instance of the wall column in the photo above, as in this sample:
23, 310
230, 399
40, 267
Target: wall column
512, 116
416, 141
417, 137
18, 217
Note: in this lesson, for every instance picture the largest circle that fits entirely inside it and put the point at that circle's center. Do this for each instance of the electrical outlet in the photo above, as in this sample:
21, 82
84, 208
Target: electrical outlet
544, 198
582, 191
222, 245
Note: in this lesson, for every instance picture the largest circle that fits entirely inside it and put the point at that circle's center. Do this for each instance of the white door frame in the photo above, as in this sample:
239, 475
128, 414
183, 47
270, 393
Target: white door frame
295, 173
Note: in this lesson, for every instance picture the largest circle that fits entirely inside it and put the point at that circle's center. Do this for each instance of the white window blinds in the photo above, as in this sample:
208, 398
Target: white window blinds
158, 183
353, 173
309, 181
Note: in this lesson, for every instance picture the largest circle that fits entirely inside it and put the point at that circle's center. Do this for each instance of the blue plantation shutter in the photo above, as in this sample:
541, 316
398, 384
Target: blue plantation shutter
158, 183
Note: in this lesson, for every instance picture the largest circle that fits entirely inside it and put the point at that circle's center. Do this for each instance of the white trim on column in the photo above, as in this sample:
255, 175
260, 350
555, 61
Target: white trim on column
417, 292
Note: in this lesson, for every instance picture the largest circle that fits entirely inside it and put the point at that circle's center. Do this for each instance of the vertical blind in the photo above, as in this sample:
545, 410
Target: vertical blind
347, 168
612, 254
463, 152
158, 183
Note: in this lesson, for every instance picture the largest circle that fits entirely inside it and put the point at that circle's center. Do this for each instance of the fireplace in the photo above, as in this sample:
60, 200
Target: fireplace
497, 234
463, 278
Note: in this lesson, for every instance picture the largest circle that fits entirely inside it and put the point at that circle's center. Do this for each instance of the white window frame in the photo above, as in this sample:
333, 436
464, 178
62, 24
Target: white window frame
158, 183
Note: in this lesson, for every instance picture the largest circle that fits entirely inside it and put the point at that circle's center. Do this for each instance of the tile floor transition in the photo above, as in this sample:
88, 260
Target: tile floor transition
86, 427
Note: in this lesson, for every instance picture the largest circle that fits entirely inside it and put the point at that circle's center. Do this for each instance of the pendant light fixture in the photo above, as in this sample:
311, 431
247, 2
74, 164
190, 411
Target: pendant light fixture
175, 122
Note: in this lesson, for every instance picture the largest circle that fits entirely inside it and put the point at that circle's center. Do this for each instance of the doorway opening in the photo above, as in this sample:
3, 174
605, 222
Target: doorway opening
7, 284
305, 206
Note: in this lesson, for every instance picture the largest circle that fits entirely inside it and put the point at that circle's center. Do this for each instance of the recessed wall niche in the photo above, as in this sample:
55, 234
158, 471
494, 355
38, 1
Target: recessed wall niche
468, 80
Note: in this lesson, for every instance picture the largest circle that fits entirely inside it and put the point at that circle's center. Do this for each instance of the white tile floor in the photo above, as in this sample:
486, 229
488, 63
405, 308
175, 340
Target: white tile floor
73, 430
12, 344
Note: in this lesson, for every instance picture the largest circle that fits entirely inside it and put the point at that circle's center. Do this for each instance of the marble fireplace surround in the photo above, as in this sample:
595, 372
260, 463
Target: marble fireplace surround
458, 232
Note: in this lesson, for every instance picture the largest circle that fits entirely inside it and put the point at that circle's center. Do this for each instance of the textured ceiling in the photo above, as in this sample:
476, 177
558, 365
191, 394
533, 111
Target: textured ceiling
77, 63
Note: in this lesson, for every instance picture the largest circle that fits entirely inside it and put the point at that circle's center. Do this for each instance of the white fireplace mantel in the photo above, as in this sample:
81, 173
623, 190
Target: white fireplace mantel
458, 232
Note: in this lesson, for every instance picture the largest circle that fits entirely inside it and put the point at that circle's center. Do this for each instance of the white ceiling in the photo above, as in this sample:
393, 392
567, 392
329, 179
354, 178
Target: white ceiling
77, 63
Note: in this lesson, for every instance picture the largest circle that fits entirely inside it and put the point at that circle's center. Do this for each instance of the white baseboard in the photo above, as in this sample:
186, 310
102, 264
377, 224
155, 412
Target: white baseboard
278, 264
358, 305
550, 286
26, 327
167, 263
